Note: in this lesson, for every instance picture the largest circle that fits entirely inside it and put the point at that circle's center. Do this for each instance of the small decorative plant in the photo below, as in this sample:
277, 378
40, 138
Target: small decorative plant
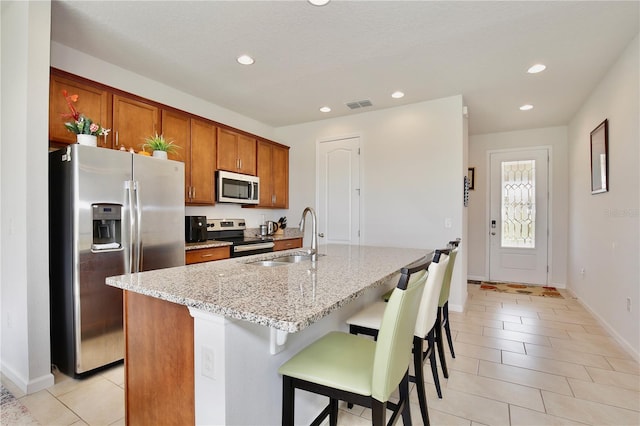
80, 124
159, 143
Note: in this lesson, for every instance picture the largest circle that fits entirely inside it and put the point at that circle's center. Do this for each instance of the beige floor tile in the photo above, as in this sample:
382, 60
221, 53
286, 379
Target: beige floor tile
493, 316
595, 329
498, 390
472, 407
606, 394
624, 365
589, 347
47, 410
525, 377
545, 365
490, 342
600, 339
549, 302
119, 422
553, 324
465, 327
615, 378
463, 363
64, 384
346, 418
476, 307
477, 352
525, 417
115, 375
437, 417
537, 330
567, 355
588, 412
479, 322
532, 307
99, 403
570, 317
514, 310
516, 336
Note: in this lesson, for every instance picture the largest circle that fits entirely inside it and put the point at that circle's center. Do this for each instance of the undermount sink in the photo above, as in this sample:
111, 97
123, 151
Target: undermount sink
283, 260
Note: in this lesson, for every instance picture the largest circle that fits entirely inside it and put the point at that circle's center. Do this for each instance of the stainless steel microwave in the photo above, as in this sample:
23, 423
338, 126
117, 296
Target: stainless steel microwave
237, 188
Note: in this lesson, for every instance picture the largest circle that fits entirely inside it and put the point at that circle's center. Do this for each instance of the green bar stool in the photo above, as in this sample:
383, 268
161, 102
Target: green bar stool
442, 320
357, 369
368, 322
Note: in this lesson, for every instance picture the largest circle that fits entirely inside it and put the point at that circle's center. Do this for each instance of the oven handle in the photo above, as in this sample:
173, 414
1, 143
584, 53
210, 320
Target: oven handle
252, 247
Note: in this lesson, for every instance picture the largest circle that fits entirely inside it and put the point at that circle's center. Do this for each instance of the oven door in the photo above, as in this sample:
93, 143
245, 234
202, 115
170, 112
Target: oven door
253, 248
237, 188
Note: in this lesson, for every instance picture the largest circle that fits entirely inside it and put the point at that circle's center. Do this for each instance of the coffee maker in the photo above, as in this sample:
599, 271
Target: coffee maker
195, 229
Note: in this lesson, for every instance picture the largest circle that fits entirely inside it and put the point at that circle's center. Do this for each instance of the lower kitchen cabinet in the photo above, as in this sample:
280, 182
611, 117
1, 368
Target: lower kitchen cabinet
207, 255
287, 244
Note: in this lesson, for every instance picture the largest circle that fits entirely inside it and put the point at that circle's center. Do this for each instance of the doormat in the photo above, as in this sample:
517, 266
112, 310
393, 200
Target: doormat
13, 412
530, 290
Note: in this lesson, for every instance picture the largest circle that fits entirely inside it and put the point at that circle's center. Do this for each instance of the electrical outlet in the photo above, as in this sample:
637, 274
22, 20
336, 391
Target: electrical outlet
628, 304
448, 223
582, 271
208, 363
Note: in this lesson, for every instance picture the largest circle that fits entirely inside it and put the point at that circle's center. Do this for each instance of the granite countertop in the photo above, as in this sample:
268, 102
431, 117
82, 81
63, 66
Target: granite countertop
288, 297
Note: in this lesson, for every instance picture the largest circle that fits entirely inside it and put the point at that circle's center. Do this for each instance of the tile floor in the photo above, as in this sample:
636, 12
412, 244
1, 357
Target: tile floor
520, 360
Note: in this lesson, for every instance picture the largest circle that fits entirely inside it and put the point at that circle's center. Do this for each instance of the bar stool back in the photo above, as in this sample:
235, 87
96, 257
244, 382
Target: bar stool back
442, 320
357, 369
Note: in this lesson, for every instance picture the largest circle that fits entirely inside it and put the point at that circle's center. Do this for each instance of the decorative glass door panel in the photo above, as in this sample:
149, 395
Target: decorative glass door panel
518, 204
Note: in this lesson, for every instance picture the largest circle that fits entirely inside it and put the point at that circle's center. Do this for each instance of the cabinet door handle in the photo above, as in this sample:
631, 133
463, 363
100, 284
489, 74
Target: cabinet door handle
116, 138
193, 192
240, 162
206, 255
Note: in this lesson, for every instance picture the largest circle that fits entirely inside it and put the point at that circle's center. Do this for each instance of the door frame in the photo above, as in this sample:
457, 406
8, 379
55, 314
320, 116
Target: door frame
361, 213
487, 225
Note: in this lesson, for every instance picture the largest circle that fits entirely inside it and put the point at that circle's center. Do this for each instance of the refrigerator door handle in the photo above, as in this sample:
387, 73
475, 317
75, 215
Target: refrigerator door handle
130, 207
138, 239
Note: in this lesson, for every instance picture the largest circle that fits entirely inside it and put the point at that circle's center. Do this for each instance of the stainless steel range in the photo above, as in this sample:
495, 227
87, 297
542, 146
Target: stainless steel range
232, 230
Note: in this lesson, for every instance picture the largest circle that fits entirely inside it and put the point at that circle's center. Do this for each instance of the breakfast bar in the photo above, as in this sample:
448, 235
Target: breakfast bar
204, 342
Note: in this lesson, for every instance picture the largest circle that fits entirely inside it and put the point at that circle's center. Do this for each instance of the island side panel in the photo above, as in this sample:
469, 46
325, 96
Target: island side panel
159, 363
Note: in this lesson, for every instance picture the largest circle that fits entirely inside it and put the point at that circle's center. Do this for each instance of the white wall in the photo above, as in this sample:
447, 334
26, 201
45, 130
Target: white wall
556, 139
412, 168
604, 230
24, 272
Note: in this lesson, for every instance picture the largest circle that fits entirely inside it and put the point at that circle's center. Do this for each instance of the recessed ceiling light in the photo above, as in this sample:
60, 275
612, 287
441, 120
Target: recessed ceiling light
245, 60
536, 69
325, 109
319, 2
526, 107
397, 95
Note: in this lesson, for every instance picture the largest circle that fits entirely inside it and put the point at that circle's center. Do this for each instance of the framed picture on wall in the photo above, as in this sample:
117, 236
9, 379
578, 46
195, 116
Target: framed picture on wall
600, 158
471, 177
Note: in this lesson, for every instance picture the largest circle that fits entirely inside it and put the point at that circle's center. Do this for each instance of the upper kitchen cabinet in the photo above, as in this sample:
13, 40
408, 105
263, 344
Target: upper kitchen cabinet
133, 121
236, 152
203, 162
176, 128
197, 141
92, 102
273, 170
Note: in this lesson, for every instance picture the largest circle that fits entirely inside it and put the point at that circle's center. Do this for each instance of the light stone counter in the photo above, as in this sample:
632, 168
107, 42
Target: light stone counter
288, 297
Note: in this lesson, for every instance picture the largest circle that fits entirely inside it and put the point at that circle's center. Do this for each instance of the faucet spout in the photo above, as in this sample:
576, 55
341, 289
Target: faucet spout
314, 231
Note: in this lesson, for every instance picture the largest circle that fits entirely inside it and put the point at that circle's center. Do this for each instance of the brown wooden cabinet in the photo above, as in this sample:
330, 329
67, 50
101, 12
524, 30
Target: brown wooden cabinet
236, 152
203, 162
197, 142
273, 170
207, 254
133, 121
93, 102
290, 243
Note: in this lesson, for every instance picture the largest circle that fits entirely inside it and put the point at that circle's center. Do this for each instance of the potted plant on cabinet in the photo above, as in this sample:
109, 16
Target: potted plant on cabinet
86, 130
159, 146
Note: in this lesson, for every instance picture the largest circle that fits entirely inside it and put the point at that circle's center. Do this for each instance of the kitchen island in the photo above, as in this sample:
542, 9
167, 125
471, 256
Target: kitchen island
204, 342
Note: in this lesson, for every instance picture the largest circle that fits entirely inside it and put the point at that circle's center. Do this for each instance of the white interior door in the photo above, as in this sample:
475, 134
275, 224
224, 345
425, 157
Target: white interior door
339, 191
518, 223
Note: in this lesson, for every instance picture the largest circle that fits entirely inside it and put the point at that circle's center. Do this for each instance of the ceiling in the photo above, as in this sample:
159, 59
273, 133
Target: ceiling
308, 56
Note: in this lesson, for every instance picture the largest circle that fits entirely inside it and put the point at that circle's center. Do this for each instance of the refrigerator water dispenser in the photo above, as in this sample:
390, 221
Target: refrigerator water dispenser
107, 231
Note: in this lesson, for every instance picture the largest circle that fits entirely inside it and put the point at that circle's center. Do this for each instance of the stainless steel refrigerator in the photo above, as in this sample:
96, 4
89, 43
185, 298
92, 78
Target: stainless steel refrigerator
110, 213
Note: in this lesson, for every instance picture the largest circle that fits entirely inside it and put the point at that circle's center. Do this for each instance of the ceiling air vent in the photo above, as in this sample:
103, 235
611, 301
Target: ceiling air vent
359, 104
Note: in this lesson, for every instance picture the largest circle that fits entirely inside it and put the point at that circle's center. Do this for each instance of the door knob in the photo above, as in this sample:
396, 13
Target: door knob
493, 233
321, 235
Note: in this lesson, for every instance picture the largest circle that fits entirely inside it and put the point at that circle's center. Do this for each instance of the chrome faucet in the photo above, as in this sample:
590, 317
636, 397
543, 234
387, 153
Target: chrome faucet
314, 231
